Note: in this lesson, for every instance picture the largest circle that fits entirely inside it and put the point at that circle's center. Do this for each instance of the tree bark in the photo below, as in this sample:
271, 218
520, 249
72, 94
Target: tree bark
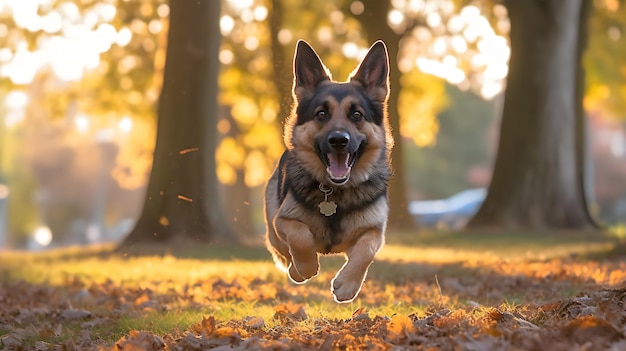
538, 175
283, 79
374, 20
182, 197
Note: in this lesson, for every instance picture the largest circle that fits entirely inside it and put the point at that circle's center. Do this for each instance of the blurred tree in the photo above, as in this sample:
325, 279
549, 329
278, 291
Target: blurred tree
183, 188
249, 123
538, 174
375, 11
463, 146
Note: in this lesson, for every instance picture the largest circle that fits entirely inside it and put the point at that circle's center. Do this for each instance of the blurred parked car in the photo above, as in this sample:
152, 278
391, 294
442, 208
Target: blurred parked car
453, 212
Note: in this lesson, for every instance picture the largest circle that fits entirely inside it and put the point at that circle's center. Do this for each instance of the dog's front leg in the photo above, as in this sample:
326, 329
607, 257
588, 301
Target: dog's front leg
304, 259
347, 283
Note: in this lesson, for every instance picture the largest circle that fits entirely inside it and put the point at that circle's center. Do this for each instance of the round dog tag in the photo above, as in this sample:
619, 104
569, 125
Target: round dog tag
328, 208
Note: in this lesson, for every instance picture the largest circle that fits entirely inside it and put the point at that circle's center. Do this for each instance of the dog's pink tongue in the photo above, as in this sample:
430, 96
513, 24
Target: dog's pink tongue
338, 167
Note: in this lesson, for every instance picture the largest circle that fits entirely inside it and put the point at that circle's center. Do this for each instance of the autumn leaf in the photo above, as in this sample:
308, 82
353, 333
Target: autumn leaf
592, 329
399, 328
140, 341
290, 312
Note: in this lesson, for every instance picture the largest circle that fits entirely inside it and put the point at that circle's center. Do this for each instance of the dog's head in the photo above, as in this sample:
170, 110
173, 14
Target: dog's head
339, 131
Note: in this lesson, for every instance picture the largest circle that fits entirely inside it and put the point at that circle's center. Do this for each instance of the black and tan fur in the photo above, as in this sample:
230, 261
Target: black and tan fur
338, 136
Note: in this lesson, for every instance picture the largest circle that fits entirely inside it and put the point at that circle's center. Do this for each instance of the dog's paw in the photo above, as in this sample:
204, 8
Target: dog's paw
345, 290
306, 270
295, 276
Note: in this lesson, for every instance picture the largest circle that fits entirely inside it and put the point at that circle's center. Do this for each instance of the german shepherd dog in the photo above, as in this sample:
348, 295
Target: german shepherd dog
328, 193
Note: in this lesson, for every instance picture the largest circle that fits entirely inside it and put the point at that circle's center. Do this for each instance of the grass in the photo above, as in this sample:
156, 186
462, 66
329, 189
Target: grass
182, 283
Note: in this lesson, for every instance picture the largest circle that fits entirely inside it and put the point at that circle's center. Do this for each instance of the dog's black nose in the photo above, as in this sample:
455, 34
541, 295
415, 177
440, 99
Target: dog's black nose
338, 139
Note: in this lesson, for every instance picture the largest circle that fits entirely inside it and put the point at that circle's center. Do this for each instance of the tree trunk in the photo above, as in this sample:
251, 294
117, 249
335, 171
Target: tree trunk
374, 20
538, 176
283, 79
182, 198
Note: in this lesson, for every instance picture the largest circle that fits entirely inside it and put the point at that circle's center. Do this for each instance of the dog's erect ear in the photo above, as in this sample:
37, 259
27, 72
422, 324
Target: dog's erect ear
308, 70
373, 72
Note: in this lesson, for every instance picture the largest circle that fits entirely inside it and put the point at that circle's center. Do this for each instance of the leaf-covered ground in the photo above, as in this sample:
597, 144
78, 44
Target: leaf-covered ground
440, 293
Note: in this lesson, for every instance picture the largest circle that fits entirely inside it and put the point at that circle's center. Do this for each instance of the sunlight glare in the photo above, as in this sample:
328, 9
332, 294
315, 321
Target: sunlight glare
5, 55
67, 60
350, 50
25, 14
226, 57
124, 36
452, 74
16, 100
103, 37
456, 24
52, 22
496, 71
81, 122
490, 90
395, 18
471, 34
227, 24
422, 34
449, 61
357, 8
247, 16
440, 46
495, 48
70, 11
260, 13
240, 5
459, 44
285, 36
43, 235
469, 12
433, 19
325, 34
22, 69
251, 43
125, 124
163, 10
106, 11
155, 26
415, 6
336, 17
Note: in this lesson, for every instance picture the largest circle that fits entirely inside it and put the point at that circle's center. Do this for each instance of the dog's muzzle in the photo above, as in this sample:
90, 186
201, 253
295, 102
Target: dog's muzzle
339, 158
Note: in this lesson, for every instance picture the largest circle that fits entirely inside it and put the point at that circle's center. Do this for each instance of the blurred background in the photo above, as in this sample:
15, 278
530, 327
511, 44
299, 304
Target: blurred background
80, 81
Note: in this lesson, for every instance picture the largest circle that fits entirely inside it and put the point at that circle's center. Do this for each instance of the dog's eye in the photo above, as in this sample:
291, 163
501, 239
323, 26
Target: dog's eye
321, 115
356, 116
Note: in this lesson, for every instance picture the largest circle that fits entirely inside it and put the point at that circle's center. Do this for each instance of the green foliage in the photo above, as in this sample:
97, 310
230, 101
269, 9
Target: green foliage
605, 59
463, 142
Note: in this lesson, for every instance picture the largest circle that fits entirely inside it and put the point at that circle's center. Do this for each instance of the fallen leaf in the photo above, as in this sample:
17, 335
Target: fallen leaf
140, 341
591, 328
290, 312
74, 314
360, 314
399, 327
254, 322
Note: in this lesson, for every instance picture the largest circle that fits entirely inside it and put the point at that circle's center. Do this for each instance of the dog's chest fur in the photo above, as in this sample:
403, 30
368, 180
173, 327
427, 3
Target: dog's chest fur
366, 198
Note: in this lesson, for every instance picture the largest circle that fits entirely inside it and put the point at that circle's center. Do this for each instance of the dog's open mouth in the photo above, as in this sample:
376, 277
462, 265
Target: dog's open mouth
339, 165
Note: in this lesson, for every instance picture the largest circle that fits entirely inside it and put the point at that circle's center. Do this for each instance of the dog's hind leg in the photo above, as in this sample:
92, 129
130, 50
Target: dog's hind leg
348, 281
304, 259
